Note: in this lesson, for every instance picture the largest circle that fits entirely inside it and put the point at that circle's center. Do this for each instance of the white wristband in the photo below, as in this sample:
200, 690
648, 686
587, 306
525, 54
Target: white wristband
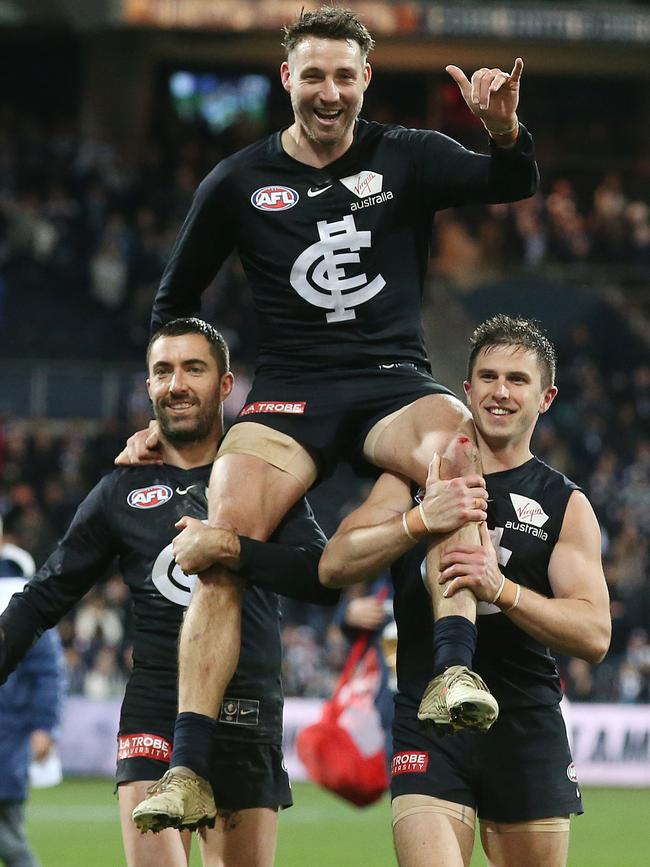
500, 590
406, 528
516, 602
424, 520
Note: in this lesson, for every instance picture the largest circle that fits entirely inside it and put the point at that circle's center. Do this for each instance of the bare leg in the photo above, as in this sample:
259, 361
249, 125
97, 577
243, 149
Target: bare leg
435, 424
441, 424
461, 458
250, 496
544, 843
170, 848
246, 838
428, 838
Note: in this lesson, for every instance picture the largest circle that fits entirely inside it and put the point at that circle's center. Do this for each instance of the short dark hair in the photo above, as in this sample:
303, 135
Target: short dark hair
193, 325
503, 330
328, 22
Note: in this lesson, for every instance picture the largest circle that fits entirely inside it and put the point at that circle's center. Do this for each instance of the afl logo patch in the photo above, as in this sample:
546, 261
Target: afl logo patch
149, 498
571, 773
274, 198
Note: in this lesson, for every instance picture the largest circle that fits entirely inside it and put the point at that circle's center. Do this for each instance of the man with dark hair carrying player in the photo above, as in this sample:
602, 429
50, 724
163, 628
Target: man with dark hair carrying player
134, 514
539, 580
332, 218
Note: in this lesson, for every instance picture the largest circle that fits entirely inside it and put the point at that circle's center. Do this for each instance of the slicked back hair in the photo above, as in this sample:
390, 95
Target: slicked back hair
193, 325
503, 330
328, 22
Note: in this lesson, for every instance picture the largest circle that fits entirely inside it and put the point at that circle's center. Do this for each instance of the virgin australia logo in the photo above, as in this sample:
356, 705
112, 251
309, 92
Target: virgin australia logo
367, 186
528, 511
319, 273
364, 184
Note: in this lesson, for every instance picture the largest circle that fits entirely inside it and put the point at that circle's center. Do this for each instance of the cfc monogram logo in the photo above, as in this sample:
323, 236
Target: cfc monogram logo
318, 275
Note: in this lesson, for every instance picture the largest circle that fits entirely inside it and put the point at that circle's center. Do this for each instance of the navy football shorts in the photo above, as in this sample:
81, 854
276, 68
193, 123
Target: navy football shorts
520, 770
331, 412
243, 775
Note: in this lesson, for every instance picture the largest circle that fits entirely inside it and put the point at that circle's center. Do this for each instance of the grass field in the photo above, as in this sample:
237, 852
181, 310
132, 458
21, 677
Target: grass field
76, 825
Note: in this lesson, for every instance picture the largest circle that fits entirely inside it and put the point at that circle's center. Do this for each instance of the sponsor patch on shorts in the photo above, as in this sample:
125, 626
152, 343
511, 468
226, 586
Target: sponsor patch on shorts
279, 406
572, 773
409, 763
240, 711
143, 746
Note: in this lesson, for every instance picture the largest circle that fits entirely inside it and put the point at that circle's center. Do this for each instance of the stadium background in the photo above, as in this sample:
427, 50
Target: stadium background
110, 114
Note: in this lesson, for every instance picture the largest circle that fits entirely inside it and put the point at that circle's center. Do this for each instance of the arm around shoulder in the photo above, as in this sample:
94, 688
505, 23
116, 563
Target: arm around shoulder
370, 538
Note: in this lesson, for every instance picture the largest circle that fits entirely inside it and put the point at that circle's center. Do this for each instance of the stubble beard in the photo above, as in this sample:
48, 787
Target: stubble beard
182, 432
309, 125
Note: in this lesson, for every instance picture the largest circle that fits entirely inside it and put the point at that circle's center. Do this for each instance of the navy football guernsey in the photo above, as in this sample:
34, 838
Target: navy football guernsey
336, 257
525, 514
130, 516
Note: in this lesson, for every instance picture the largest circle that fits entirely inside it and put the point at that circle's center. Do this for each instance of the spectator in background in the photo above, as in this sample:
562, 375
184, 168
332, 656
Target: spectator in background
30, 707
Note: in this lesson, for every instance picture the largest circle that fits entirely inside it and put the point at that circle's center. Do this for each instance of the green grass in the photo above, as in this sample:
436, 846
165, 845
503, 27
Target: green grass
76, 825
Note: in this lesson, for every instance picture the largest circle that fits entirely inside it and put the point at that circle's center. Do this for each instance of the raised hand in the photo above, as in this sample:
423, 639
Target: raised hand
492, 95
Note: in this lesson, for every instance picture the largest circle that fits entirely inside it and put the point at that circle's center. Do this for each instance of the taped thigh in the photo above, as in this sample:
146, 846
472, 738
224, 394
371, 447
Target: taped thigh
410, 805
372, 438
552, 825
276, 448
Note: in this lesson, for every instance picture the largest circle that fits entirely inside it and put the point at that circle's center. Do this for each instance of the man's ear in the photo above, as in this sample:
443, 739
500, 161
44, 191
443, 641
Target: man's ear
226, 385
367, 75
285, 75
467, 388
547, 398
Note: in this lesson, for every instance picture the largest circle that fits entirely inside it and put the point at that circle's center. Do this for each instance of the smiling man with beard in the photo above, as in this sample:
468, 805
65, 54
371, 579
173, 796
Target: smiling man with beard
133, 515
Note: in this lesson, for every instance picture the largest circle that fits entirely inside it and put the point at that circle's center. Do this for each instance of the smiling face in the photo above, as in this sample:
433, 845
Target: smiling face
506, 395
186, 388
326, 79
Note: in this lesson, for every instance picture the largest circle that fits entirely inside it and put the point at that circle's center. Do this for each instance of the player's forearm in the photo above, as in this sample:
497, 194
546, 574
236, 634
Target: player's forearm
513, 171
205, 240
171, 304
574, 627
285, 569
361, 553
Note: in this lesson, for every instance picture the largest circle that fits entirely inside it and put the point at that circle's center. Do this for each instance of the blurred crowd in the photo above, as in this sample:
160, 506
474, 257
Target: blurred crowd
85, 231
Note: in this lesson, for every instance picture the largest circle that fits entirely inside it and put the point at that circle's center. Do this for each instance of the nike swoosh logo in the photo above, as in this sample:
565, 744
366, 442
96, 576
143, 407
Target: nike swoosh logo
246, 711
183, 491
311, 193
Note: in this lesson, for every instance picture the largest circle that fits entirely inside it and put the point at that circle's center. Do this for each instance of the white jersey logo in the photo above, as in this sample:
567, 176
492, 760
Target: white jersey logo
529, 511
318, 274
318, 191
170, 580
364, 184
